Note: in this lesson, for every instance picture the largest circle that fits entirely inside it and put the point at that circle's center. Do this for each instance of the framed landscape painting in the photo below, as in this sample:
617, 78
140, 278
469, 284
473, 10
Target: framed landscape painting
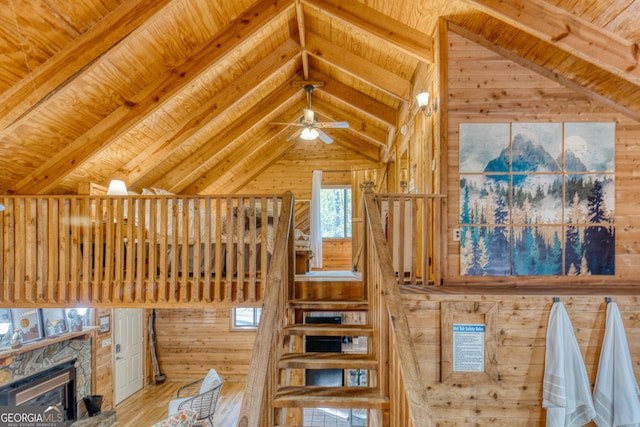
537, 199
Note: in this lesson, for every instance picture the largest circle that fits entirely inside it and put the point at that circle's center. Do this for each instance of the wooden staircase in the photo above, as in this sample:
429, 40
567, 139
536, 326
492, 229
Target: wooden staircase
393, 394
346, 298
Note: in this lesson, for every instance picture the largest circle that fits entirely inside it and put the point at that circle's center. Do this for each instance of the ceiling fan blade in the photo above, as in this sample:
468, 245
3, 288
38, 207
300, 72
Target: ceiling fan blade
334, 125
286, 124
309, 115
324, 137
295, 135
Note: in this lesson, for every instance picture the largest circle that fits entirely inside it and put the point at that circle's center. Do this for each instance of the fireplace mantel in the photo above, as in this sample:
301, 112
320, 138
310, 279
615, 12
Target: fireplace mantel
11, 352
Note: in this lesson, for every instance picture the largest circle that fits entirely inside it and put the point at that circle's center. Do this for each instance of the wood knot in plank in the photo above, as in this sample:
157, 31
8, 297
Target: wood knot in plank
562, 35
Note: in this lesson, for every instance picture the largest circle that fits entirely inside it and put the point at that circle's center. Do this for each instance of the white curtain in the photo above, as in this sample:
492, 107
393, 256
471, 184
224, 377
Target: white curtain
316, 229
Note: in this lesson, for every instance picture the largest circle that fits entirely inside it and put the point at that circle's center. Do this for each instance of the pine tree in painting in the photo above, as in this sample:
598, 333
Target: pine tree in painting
498, 250
572, 250
599, 240
465, 215
554, 260
466, 252
478, 253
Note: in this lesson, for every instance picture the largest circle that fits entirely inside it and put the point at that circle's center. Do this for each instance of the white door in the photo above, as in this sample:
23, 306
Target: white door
128, 352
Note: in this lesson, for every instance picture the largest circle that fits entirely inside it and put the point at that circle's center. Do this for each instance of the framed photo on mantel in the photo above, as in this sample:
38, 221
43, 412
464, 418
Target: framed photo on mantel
54, 321
29, 322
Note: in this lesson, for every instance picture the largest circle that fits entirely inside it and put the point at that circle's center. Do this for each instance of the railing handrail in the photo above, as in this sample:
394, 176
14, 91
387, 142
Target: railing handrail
399, 325
261, 365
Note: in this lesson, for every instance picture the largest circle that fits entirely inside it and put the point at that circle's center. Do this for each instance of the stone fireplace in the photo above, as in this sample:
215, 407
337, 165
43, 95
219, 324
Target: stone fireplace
53, 366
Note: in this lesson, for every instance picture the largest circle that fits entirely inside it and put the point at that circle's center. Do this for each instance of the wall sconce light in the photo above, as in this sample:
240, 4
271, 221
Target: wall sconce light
423, 100
370, 177
423, 103
117, 188
367, 185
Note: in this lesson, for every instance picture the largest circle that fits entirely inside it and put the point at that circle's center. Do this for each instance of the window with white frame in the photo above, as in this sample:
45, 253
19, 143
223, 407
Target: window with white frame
335, 216
246, 317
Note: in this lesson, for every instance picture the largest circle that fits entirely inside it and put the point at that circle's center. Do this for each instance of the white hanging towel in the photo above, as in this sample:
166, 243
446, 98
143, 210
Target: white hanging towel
616, 391
566, 391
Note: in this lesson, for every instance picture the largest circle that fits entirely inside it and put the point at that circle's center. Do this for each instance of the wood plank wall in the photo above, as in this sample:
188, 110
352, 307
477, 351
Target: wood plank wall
336, 254
485, 87
103, 361
190, 342
516, 398
293, 171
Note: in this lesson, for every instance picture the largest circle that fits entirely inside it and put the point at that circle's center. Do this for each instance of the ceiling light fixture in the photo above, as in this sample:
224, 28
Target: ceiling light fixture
309, 134
117, 188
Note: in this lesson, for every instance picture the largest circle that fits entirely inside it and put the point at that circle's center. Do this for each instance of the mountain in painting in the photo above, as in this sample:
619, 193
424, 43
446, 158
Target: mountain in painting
528, 156
572, 163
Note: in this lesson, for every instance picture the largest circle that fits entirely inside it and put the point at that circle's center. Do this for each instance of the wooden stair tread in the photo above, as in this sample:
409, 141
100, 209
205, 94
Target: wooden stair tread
327, 361
329, 397
330, 305
328, 329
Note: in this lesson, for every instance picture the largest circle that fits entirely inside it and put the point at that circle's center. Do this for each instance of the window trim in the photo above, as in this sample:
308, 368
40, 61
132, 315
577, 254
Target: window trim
257, 313
344, 187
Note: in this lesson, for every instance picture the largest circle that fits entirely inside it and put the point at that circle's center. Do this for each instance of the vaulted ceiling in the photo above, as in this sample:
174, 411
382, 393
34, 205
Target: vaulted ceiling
183, 94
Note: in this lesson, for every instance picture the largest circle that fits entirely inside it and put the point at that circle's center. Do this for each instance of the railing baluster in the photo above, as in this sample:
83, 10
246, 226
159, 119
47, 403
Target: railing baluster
135, 251
52, 250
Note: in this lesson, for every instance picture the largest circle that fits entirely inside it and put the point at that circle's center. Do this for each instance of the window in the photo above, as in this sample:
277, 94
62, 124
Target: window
246, 317
335, 215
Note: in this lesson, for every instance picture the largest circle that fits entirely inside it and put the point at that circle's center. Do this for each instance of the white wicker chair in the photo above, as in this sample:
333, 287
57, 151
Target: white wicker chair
200, 396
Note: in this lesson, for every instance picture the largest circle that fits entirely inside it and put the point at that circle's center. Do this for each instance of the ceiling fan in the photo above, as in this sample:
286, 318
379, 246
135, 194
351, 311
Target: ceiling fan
311, 127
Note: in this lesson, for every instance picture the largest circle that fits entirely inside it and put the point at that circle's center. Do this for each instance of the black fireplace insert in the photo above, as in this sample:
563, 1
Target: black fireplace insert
54, 387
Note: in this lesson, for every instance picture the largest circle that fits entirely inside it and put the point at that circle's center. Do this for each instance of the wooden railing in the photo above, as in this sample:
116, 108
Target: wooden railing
399, 375
261, 381
135, 251
413, 229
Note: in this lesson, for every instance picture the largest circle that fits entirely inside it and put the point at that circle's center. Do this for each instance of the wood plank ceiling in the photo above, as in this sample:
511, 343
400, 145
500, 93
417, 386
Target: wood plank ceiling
181, 94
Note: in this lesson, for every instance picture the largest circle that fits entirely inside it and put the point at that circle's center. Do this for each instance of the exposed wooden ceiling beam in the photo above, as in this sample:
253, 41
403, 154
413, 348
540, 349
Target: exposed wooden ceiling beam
359, 67
367, 105
403, 37
229, 166
367, 130
209, 155
604, 96
569, 32
254, 163
131, 113
355, 142
231, 95
302, 36
70, 60
241, 173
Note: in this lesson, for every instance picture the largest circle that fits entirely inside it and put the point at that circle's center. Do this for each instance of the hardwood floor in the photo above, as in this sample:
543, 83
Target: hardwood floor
149, 406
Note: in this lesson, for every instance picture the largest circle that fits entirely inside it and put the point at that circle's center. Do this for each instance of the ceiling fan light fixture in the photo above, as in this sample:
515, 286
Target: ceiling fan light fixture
309, 134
